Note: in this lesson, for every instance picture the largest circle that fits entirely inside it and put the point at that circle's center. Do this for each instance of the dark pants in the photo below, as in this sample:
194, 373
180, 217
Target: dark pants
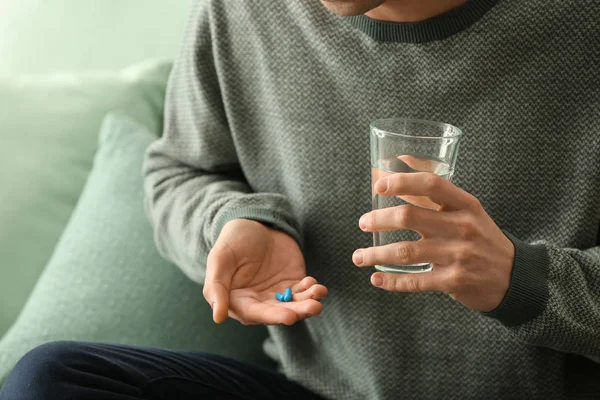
94, 371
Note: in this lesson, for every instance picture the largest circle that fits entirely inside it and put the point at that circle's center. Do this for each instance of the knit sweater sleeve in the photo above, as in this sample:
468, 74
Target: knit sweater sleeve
193, 181
554, 298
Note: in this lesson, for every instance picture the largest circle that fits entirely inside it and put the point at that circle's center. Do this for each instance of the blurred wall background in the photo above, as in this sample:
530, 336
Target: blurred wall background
41, 36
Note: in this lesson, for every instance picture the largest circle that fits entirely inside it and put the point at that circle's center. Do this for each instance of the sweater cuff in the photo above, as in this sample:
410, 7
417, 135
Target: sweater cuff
527, 294
267, 217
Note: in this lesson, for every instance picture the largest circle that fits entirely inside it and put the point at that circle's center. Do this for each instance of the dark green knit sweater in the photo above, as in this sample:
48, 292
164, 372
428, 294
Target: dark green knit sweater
267, 118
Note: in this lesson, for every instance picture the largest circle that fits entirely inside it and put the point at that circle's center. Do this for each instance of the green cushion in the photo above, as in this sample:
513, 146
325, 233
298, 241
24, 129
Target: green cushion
48, 136
106, 281
56, 35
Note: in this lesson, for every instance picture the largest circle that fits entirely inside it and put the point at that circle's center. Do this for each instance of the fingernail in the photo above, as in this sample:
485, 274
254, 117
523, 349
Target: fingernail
362, 222
376, 280
382, 185
358, 257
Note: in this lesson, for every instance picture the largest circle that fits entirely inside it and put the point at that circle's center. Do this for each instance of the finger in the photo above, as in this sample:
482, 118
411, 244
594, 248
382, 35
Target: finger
250, 311
410, 283
421, 201
315, 292
426, 222
438, 189
260, 313
304, 284
219, 272
418, 164
422, 164
435, 251
304, 309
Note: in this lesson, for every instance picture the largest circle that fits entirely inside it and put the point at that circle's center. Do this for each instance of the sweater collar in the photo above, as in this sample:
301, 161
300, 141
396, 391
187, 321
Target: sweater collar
436, 28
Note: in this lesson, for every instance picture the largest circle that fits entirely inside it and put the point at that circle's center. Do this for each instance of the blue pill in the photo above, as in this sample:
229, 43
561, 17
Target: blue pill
285, 297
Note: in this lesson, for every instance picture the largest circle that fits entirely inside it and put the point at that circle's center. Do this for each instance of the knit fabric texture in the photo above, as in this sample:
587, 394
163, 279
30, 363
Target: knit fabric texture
267, 118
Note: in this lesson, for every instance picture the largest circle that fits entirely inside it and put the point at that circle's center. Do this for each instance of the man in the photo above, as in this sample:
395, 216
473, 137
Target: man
261, 182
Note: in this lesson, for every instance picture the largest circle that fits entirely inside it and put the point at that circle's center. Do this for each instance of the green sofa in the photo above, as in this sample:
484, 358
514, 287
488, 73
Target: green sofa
77, 258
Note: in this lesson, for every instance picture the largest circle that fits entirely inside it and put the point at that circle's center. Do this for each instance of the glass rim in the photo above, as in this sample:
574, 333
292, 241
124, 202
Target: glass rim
458, 133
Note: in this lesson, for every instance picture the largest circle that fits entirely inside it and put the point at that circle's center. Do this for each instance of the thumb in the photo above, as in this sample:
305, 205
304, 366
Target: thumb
217, 285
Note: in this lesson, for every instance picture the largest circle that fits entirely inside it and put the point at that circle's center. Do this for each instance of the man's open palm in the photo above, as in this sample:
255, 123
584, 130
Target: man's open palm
248, 264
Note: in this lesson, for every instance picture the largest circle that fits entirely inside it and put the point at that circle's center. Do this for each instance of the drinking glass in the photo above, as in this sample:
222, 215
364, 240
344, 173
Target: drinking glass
405, 145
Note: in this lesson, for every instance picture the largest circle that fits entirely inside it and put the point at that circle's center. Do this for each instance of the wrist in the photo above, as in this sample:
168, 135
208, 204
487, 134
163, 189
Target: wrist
264, 217
527, 294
